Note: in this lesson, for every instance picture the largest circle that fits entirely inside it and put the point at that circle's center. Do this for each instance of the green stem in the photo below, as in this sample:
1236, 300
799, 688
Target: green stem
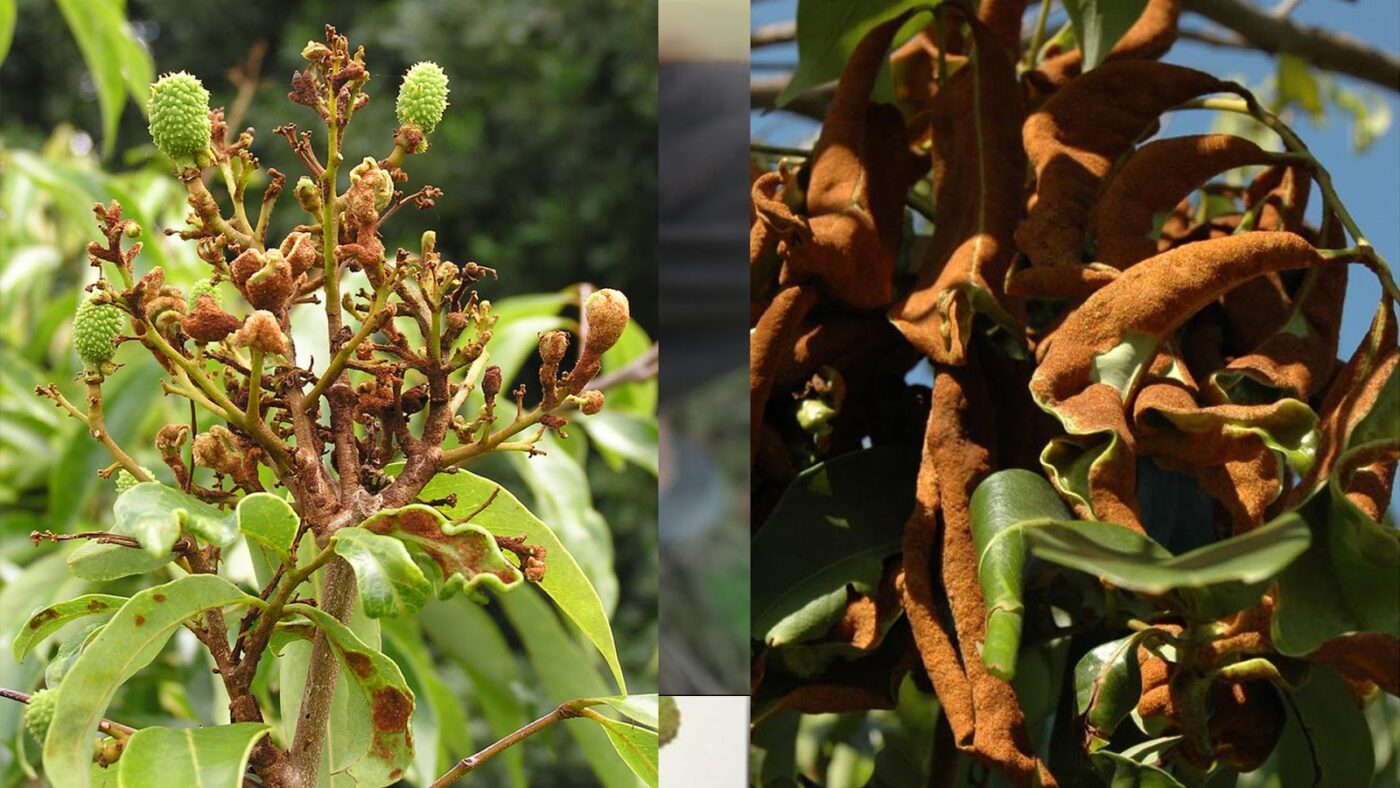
1038, 37
255, 368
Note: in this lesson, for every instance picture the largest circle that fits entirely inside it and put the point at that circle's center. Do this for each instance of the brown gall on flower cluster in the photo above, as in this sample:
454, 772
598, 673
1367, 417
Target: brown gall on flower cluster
408, 333
1071, 330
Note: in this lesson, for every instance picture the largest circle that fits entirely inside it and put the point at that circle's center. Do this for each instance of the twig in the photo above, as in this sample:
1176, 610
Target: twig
1274, 33
563, 712
106, 726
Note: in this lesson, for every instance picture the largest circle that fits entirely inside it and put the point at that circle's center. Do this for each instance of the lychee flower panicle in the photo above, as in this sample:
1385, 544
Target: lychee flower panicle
179, 116
423, 97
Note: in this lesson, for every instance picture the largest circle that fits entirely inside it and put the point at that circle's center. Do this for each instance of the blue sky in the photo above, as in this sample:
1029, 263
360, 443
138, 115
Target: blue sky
1368, 182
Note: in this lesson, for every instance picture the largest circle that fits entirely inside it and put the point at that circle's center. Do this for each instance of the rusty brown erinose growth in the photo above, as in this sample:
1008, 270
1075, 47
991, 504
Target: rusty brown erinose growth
1075, 137
855, 194
977, 174
770, 347
1153, 180
1150, 36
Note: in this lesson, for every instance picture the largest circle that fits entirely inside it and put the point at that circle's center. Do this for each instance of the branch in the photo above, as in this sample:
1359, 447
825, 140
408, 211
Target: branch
775, 33
106, 726
1322, 48
564, 711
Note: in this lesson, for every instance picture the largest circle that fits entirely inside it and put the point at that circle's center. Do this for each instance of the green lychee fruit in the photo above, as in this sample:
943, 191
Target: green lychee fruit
205, 287
670, 718
179, 110
125, 481
95, 327
423, 96
39, 712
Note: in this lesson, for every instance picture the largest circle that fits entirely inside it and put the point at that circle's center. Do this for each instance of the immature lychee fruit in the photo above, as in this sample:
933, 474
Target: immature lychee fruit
95, 328
125, 481
179, 110
423, 97
670, 718
39, 712
205, 287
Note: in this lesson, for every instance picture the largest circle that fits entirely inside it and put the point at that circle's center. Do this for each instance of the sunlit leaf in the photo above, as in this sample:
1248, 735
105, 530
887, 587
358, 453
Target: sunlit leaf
1098, 24
828, 32
1108, 684
268, 520
635, 745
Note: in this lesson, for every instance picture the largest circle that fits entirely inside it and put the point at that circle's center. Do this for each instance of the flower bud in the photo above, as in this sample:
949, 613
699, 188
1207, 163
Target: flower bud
179, 112
96, 327
591, 402
423, 97
553, 345
607, 315
308, 195
379, 182
491, 382
261, 332
208, 322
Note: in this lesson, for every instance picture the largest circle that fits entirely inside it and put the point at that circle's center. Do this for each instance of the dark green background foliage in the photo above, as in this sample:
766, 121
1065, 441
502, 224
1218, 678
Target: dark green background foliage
547, 153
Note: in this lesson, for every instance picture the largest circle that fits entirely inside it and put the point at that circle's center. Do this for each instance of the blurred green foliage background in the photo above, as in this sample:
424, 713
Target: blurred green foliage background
548, 163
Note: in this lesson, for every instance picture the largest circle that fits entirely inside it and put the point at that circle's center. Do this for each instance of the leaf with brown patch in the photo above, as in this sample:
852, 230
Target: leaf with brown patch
386, 692
48, 620
465, 554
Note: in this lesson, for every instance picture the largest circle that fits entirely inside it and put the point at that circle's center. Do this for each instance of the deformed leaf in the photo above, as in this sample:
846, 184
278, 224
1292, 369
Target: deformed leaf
155, 514
214, 757
46, 621
564, 581
128, 642
635, 745
268, 520
390, 700
466, 553
1000, 503
387, 580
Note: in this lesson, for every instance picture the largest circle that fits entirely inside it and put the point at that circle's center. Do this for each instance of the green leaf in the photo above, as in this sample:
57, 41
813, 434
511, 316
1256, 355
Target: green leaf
834, 526
268, 520
387, 580
561, 496
382, 685
1108, 684
99, 562
48, 620
1211, 581
1121, 772
999, 503
206, 757
465, 553
129, 641
1297, 85
636, 746
68, 652
563, 671
1098, 24
622, 437
1326, 741
642, 708
119, 65
156, 514
564, 581
7, 27
637, 397
465, 632
1349, 578
827, 33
